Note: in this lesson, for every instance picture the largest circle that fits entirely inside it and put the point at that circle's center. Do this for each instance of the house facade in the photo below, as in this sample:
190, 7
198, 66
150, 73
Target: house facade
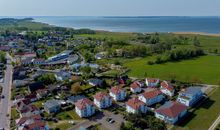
102, 100
135, 105
85, 107
117, 93
171, 112
52, 106
167, 88
136, 87
152, 82
190, 96
151, 97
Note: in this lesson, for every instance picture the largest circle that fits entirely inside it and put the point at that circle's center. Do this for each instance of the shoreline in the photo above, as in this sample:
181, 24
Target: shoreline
111, 31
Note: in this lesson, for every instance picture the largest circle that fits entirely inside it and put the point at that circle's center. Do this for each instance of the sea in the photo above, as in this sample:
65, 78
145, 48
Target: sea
142, 24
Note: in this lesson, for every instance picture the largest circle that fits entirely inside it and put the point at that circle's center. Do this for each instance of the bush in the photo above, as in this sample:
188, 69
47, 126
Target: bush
150, 62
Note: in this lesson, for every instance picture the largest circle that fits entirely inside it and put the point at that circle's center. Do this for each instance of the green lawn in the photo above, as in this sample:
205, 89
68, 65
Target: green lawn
14, 115
68, 115
205, 68
203, 117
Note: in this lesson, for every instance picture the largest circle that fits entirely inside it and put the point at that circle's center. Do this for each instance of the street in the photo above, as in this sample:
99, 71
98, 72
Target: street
5, 103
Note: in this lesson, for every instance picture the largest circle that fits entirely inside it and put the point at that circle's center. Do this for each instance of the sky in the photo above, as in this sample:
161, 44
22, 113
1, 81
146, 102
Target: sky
109, 7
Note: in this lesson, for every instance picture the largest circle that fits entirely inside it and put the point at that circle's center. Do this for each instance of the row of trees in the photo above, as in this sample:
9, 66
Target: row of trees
178, 54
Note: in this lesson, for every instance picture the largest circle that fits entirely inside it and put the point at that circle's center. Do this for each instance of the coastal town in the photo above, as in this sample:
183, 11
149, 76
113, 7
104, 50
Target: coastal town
48, 82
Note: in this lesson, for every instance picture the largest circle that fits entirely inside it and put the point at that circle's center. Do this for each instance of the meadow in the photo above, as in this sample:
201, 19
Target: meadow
205, 69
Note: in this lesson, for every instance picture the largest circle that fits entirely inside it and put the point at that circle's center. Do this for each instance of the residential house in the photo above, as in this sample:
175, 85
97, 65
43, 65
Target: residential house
152, 82
63, 75
31, 97
135, 87
171, 112
102, 100
74, 99
85, 107
117, 93
29, 110
35, 86
167, 88
5, 48
27, 61
151, 96
95, 82
190, 96
39, 62
135, 105
52, 106
42, 93
34, 122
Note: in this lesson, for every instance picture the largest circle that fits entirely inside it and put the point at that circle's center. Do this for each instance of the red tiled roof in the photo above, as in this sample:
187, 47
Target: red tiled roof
172, 110
82, 103
115, 90
135, 85
100, 96
135, 103
151, 94
152, 80
167, 85
29, 108
39, 125
24, 119
23, 102
31, 96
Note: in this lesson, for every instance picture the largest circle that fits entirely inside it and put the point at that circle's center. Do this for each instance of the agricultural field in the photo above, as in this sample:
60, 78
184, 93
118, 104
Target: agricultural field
204, 69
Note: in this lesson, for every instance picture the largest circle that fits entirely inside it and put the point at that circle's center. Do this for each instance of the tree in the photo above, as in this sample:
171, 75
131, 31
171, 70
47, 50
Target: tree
86, 70
76, 89
47, 79
196, 41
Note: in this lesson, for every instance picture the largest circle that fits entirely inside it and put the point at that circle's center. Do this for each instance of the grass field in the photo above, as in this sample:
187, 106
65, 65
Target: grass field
203, 117
205, 68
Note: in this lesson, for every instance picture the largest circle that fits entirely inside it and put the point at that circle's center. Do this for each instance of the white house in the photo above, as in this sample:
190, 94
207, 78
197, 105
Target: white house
102, 100
85, 107
167, 88
135, 87
117, 93
151, 97
171, 112
190, 96
134, 105
152, 82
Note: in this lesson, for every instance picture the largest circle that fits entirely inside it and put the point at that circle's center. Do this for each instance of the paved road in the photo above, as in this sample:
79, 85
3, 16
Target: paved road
214, 125
5, 104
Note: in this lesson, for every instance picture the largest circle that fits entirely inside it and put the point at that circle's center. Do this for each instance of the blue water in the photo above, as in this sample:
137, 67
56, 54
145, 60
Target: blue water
138, 24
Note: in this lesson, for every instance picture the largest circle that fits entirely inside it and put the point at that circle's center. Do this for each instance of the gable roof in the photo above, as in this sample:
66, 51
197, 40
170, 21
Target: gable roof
101, 95
191, 90
115, 90
171, 109
82, 103
135, 85
151, 94
52, 103
135, 103
152, 80
167, 85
